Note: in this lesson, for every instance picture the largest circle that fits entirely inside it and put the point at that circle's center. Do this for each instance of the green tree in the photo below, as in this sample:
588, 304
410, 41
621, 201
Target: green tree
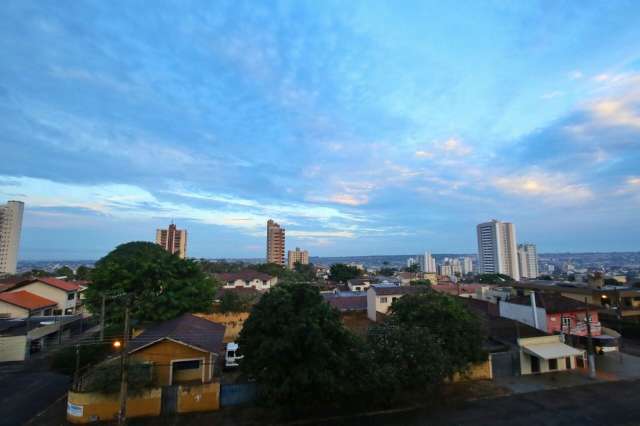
421, 282
457, 330
64, 271
157, 285
37, 273
413, 268
342, 273
307, 272
83, 273
387, 272
105, 377
297, 349
221, 266
232, 302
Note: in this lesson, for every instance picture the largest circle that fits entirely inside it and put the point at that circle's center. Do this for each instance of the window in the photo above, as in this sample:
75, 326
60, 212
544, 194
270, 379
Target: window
71, 296
553, 364
186, 365
566, 323
383, 300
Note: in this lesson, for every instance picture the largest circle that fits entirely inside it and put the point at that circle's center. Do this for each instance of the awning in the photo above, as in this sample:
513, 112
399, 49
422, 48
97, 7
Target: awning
551, 350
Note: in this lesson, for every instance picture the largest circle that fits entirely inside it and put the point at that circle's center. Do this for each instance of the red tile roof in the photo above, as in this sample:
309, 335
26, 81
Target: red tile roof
53, 282
26, 300
347, 303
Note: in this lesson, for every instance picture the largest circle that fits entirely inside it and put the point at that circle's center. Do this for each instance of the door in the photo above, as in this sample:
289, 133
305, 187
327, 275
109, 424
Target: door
535, 364
169, 399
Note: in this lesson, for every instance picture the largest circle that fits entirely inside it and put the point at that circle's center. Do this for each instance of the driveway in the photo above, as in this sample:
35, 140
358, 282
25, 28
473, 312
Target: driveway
25, 394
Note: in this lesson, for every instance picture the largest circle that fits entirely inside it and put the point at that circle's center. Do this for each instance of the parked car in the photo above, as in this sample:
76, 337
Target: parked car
232, 355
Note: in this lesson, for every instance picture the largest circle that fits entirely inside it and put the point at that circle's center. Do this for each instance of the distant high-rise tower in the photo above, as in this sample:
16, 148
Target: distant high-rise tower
10, 230
528, 260
297, 256
497, 250
173, 240
275, 243
428, 263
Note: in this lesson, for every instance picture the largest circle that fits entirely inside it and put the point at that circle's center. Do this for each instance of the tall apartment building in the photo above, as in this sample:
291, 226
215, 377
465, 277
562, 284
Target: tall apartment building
497, 249
10, 230
528, 260
275, 243
428, 263
173, 240
297, 255
467, 265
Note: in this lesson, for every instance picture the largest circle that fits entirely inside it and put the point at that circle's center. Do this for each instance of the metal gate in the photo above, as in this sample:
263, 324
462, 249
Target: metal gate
503, 365
169, 399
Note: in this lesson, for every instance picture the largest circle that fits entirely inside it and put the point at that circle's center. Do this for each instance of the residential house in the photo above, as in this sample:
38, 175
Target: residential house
182, 350
381, 296
548, 354
64, 293
22, 304
557, 314
358, 284
349, 302
517, 348
247, 279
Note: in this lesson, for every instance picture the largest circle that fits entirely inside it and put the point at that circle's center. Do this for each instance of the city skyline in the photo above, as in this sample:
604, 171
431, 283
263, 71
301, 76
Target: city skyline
362, 130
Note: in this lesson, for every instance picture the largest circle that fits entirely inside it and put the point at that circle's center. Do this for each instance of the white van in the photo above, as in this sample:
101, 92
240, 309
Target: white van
232, 355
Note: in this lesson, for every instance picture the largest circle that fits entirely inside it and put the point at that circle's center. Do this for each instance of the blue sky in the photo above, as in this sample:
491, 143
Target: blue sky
362, 127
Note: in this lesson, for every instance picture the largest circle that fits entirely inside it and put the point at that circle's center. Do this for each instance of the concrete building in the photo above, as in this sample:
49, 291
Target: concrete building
497, 250
173, 240
528, 260
10, 229
381, 296
247, 279
297, 256
275, 243
467, 265
428, 263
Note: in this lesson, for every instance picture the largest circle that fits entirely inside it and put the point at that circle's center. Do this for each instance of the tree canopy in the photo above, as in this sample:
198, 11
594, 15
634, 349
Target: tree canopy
457, 330
387, 271
157, 284
421, 282
342, 273
494, 279
296, 347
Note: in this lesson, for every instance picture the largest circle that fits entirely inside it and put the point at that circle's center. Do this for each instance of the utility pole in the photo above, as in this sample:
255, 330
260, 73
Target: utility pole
122, 415
102, 318
592, 358
76, 372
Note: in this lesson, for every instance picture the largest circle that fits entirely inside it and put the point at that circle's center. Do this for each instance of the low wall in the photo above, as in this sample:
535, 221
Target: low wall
481, 371
86, 407
204, 397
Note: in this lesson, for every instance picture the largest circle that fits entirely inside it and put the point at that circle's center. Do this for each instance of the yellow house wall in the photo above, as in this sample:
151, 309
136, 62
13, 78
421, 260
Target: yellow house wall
204, 397
13, 310
102, 407
12, 348
481, 371
233, 323
162, 353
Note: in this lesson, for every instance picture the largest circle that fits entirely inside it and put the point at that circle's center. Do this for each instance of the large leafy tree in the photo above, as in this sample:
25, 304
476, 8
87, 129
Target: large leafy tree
455, 334
157, 285
297, 349
342, 273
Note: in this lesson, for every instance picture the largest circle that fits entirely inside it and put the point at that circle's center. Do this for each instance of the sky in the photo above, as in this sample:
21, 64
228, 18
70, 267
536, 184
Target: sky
361, 127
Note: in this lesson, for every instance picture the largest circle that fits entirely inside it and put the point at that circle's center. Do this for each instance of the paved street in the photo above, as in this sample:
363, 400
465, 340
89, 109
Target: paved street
25, 394
610, 403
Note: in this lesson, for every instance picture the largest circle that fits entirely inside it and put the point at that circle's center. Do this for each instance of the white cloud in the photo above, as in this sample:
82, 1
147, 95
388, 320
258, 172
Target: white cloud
552, 95
616, 112
576, 75
550, 187
455, 145
424, 154
132, 202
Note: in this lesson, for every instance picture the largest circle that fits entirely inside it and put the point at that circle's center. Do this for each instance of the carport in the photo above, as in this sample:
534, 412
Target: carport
545, 354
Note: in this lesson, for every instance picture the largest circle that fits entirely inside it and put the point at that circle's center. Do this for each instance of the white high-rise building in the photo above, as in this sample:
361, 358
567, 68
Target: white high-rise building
467, 265
497, 249
528, 260
10, 230
428, 263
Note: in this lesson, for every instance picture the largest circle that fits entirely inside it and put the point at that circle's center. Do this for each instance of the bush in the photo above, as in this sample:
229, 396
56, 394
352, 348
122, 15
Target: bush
105, 378
64, 360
